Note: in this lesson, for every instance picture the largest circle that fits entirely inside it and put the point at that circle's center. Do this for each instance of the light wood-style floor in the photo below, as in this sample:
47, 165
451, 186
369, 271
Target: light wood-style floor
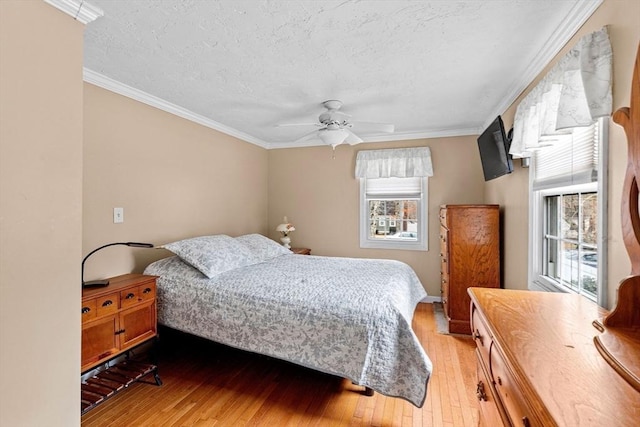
207, 384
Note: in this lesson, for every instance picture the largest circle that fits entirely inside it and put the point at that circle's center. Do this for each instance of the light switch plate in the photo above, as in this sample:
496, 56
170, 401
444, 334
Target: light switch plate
118, 215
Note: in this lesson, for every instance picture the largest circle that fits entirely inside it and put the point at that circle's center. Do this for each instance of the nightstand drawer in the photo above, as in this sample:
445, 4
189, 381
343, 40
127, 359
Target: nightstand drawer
301, 251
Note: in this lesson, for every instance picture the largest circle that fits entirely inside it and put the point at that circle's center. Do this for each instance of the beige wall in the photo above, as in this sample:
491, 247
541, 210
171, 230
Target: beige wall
623, 18
40, 214
320, 196
174, 179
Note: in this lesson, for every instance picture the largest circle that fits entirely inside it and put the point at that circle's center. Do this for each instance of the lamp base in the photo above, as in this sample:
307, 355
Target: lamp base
286, 242
95, 284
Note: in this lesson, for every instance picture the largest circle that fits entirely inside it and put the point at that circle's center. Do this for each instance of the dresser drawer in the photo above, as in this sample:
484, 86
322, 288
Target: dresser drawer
443, 216
444, 241
129, 297
508, 391
147, 291
480, 334
107, 304
444, 250
89, 310
490, 408
138, 294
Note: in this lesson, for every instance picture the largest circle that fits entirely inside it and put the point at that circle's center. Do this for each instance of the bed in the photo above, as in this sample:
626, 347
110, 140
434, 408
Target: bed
343, 316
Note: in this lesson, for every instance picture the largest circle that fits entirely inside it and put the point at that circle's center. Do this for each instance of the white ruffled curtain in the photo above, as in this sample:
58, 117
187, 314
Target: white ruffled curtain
394, 163
574, 93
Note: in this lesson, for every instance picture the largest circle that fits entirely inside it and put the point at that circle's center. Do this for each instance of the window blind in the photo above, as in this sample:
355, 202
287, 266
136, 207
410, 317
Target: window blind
393, 188
567, 159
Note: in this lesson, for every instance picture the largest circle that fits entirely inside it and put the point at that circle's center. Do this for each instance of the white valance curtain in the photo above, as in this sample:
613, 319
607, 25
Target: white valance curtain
574, 93
394, 163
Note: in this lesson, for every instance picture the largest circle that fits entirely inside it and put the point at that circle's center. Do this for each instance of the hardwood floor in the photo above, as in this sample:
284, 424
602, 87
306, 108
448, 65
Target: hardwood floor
207, 384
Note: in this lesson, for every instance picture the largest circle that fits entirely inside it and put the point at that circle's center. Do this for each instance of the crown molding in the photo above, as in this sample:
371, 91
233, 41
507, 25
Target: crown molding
78, 10
108, 83
581, 11
115, 86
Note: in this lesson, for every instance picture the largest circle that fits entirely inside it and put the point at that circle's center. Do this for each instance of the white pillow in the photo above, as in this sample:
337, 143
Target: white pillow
212, 255
262, 247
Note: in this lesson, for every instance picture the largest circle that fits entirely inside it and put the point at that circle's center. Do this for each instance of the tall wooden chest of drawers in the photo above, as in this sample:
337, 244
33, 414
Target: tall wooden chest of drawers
469, 256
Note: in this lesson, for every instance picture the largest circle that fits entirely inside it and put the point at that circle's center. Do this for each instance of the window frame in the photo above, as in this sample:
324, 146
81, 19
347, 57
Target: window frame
421, 244
536, 279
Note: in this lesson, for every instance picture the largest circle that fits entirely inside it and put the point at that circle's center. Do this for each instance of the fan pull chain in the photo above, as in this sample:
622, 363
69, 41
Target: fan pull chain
333, 155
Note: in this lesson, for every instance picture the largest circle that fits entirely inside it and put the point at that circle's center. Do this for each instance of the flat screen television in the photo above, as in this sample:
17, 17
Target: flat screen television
494, 151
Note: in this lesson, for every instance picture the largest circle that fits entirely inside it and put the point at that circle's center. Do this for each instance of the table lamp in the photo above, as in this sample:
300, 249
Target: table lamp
105, 282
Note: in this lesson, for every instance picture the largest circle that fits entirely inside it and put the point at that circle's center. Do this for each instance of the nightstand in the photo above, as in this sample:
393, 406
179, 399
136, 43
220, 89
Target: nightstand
116, 319
301, 251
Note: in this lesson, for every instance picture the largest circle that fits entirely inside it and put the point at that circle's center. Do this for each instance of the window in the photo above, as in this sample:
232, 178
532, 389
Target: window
568, 213
393, 197
393, 213
570, 246
562, 124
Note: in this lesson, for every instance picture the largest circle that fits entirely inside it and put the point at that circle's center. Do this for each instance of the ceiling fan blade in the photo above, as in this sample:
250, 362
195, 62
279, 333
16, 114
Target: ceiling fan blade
375, 126
306, 137
297, 124
352, 138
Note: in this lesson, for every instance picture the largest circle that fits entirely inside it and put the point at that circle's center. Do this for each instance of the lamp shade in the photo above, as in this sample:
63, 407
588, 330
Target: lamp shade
286, 227
333, 137
102, 283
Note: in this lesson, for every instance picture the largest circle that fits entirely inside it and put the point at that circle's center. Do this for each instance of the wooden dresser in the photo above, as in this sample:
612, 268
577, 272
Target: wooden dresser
117, 317
469, 256
537, 364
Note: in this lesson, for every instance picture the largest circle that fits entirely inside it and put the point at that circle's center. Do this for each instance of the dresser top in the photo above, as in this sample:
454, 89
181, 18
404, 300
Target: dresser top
117, 283
548, 339
469, 206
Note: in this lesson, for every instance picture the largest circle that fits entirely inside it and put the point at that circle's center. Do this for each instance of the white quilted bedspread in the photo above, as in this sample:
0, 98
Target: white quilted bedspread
343, 316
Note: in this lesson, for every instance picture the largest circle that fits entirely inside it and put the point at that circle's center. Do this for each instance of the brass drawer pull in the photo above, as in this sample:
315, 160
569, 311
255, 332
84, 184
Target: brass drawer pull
146, 291
525, 422
107, 303
129, 296
480, 393
476, 336
85, 310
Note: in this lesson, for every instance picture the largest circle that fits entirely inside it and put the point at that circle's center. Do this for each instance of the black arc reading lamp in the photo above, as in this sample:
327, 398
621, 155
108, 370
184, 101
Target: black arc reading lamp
105, 282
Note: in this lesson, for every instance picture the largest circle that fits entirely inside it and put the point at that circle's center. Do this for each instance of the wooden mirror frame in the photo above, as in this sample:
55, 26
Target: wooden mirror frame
619, 341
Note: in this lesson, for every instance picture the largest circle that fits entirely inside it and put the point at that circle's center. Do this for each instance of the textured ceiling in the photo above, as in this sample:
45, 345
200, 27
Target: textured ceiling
432, 68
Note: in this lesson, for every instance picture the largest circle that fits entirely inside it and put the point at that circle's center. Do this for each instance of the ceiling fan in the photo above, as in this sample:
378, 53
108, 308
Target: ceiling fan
335, 126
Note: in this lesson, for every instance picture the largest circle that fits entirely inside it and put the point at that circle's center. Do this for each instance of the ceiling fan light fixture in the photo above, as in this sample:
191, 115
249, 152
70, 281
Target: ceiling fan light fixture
333, 137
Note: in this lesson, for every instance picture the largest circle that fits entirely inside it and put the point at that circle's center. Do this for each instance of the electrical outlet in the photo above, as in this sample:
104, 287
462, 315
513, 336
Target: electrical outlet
118, 215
